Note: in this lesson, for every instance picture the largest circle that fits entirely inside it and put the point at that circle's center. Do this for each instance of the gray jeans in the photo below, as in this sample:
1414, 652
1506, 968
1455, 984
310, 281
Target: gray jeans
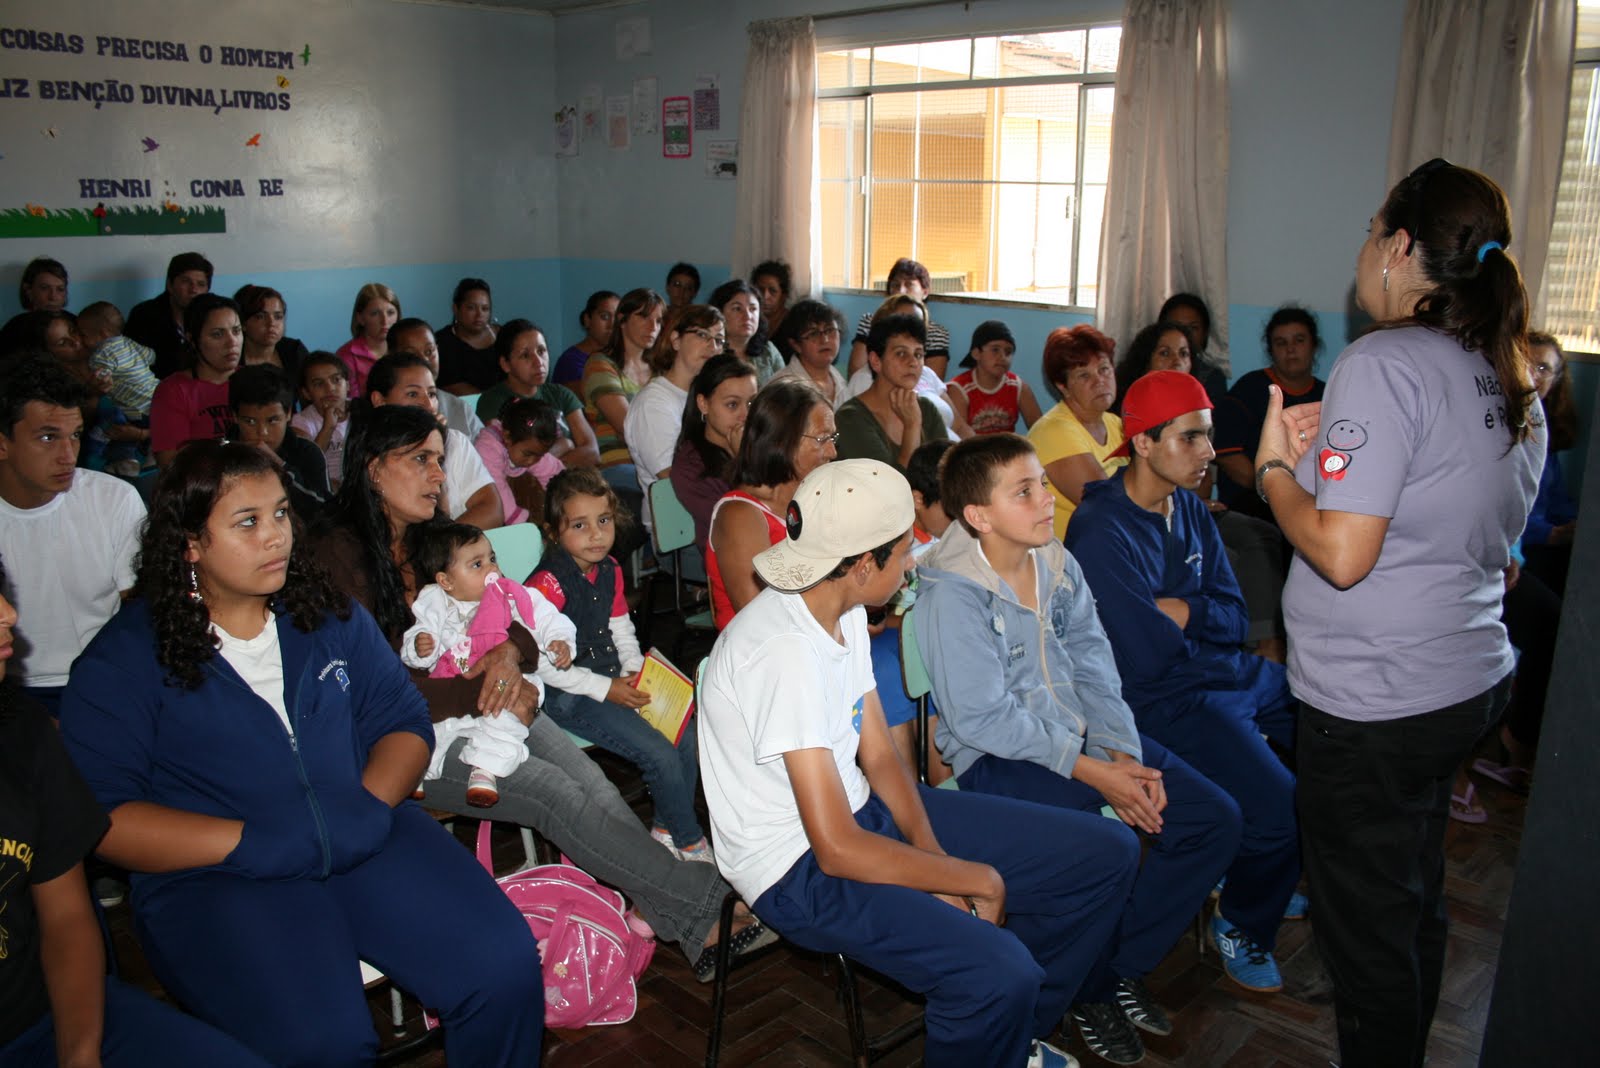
564, 795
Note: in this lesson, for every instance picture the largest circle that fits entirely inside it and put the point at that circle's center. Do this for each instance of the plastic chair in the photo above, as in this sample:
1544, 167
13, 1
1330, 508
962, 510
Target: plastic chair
517, 548
674, 532
914, 674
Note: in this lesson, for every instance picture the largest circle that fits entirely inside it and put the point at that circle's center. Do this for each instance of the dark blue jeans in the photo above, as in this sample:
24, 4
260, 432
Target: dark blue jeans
1198, 840
1219, 734
990, 989
137, 1026
671, 772
275, 963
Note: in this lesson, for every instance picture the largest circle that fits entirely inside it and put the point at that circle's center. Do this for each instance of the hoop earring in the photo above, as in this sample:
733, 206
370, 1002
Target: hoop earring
195, 596
1386, 279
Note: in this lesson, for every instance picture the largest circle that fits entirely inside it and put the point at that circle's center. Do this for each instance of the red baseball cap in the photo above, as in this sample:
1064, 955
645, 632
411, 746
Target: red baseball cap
1156, 398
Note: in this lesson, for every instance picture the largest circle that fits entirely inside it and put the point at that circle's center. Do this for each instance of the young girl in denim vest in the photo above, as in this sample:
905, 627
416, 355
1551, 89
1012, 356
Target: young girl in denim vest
593, 697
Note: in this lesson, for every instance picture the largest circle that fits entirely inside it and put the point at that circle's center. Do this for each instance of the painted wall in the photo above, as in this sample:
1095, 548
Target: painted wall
414, 150
1310, 126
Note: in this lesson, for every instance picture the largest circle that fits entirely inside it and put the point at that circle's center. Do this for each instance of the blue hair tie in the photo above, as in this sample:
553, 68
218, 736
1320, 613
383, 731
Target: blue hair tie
1487, 247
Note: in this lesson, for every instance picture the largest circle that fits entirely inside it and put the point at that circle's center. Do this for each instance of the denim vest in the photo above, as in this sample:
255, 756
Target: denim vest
589, 607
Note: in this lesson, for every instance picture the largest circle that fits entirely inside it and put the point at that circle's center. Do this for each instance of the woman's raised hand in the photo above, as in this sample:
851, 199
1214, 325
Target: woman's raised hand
1287, 434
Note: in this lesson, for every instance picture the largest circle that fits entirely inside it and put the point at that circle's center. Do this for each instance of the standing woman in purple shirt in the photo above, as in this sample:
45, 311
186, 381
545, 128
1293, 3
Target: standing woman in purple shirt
1401, 497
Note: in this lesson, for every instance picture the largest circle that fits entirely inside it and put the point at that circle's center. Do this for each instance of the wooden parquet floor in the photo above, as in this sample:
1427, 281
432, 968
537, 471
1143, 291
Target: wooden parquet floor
782, 1007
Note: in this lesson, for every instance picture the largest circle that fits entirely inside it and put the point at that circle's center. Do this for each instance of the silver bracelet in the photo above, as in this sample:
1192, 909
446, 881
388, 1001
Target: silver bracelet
1261, 476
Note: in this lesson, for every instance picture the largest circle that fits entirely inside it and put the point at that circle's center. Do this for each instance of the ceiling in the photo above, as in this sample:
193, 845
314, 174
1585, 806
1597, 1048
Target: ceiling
548, 7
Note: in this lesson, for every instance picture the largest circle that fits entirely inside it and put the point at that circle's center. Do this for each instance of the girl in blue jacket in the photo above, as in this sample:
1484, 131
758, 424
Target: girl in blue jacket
254, 740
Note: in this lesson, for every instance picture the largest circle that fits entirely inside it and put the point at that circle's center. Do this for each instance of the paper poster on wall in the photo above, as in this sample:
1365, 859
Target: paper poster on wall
644, 107
633, 37
722, 160
677, 139
567, 132
707, 103
135, 113
617, 121
591, 113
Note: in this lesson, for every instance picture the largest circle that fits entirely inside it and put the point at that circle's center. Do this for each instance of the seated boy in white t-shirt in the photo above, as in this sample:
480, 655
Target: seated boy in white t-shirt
820, 827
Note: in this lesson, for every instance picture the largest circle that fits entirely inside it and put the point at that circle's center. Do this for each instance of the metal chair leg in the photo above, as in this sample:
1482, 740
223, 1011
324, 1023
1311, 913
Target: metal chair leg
719, 985
854, 1017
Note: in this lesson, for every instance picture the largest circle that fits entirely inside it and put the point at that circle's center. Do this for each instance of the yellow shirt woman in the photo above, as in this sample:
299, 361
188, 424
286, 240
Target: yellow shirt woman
1059, 434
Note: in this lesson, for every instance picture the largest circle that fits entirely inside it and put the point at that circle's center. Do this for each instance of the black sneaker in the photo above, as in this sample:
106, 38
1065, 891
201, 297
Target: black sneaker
110, 892
1108, 1033
1141, 1008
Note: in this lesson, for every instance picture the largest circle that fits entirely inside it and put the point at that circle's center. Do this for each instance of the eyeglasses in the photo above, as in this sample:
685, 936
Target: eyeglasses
823, 440
718, 340
820, 332
1545, 370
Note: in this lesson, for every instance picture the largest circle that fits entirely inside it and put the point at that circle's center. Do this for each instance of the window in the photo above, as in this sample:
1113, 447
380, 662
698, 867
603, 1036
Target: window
985, 158
1572, 273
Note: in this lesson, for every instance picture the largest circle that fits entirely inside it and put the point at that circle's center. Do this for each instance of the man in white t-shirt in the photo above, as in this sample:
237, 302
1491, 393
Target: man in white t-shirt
821, 828
68, 536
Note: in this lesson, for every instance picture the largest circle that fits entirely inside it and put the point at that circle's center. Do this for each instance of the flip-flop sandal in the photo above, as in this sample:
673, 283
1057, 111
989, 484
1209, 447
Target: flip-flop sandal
1508, 775
1464, 808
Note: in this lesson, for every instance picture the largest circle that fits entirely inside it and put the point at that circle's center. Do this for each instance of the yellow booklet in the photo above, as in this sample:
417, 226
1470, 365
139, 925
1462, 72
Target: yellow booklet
671, 695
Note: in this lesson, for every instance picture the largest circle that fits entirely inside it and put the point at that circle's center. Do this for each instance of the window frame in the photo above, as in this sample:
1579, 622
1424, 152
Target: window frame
1083, 81
1584, 57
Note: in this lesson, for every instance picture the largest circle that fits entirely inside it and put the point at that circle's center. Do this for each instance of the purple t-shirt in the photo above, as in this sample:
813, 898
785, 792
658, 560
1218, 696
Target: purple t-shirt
1412, 429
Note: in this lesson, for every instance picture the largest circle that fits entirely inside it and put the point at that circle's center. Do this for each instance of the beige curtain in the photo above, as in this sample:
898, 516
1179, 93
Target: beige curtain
1166, 227
776, 212
1486, 84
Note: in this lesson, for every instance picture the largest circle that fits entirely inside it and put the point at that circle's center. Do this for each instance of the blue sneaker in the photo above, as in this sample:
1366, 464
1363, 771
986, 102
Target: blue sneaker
1044, 1055
1243, 959
1298, 907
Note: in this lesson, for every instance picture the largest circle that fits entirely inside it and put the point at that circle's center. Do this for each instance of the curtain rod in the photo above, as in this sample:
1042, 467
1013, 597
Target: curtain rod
883, 9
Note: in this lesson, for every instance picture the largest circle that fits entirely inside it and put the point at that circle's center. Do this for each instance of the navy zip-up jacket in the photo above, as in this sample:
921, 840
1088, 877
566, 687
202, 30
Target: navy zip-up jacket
220, 750
1130, 559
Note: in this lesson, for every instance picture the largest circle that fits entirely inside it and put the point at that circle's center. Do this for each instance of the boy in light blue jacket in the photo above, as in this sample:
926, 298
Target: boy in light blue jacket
1032, 709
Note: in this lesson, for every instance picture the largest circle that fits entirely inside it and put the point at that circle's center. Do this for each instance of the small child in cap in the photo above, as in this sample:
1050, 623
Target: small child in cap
990, 396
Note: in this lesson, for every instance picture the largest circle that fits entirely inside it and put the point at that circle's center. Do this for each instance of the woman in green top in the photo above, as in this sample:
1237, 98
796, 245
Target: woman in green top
889, 420
525, 359
620, 370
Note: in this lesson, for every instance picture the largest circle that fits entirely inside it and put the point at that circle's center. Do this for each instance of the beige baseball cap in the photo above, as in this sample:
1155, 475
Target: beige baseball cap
842, 509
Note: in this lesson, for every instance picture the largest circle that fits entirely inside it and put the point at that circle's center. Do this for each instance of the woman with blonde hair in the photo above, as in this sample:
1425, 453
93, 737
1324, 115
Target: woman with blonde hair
376, 310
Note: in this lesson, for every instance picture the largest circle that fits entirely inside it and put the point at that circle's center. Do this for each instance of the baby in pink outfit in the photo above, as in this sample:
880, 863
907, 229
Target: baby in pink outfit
466, 611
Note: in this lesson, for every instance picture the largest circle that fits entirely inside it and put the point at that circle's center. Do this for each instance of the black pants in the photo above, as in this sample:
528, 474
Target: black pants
1374, 801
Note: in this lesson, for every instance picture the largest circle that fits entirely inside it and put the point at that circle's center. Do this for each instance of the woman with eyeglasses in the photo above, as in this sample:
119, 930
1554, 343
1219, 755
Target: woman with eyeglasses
1402, 496
810, 334
1553, 523
788, 434
655, 415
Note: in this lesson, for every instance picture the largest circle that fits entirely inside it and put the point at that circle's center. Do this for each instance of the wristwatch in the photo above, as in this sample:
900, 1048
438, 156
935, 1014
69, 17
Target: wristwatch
1261, 476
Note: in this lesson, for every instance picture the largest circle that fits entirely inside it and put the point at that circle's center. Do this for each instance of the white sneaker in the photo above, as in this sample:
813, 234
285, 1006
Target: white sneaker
665, 839
1044, 1055
703, 855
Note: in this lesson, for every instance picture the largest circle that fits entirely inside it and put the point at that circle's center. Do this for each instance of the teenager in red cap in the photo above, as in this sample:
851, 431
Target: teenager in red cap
1177, 621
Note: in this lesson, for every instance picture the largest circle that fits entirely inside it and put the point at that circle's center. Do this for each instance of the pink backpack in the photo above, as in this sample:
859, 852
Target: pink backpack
591, 954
